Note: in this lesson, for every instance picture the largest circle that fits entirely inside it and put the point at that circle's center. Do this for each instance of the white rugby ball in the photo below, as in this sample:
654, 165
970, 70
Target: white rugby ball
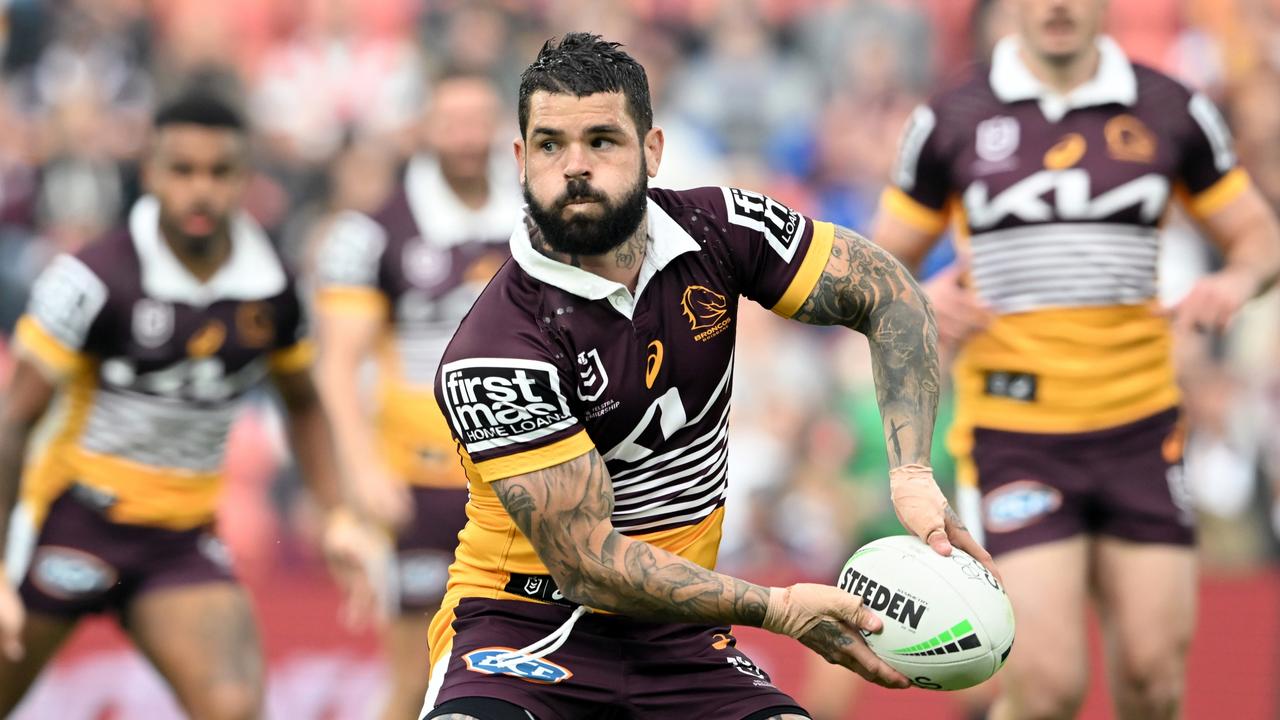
948, 623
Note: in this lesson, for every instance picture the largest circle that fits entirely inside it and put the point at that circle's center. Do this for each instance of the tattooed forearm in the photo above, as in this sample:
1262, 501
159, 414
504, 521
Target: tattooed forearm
863, 287
565, 512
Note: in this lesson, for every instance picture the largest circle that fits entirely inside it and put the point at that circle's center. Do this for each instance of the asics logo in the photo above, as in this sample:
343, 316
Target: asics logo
653, 363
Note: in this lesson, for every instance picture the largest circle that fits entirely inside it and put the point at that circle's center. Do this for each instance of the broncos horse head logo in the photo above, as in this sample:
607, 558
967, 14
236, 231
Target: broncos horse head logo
703, 306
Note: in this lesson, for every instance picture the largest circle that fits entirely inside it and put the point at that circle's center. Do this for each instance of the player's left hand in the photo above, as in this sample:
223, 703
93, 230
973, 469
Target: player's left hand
359, 558
924, 511
1213, 301
12, 618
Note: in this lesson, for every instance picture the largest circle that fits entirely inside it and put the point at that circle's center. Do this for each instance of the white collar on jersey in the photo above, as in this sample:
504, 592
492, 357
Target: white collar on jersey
252, 272
667, 241
1114, 82
443, 220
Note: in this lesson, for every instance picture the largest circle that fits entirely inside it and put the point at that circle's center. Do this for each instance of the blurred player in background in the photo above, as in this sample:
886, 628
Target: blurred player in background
1061, 158
589, 391
133, 357
395, 286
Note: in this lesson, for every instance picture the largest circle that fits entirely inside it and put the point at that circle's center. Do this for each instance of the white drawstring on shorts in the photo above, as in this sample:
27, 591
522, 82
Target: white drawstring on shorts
544, 647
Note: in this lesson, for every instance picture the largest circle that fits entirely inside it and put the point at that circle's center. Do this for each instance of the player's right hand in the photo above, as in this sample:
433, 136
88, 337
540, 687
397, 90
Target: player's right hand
383, 498
830, 621
956, 308
12, 618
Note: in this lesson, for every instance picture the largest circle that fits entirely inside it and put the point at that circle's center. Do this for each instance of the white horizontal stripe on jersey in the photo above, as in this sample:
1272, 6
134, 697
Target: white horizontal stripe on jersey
1065, 264
663, 482
690, 518
158, 432
690, 482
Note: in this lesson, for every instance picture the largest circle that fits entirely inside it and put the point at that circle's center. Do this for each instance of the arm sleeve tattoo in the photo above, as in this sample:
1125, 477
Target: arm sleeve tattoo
863, 287
565, 512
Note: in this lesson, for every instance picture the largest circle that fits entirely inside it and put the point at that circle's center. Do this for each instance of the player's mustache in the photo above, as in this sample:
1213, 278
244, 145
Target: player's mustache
580, 190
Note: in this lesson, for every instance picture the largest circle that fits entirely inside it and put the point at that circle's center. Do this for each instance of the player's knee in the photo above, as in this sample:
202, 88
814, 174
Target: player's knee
232, 701
1044, 691
1151, 685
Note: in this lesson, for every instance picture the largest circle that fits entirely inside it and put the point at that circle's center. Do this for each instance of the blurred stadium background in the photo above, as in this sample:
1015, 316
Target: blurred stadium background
802, 99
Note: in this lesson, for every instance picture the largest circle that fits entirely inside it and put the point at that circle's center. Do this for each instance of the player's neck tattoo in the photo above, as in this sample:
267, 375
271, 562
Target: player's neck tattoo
620, 264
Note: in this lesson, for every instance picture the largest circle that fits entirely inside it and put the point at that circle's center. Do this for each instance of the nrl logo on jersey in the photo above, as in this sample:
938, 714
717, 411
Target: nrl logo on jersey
997, 138
152, 322
592, 378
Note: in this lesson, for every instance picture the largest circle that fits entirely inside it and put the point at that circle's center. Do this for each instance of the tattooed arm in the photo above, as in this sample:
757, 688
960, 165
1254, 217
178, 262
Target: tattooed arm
565, 513
864, 288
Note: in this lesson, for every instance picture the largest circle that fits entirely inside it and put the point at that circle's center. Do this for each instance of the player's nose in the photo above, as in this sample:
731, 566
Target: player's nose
576, 162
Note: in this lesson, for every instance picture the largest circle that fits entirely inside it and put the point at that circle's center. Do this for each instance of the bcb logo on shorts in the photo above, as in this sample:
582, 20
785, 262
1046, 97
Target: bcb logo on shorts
496, 402
1019, 504
491, 661
70, 574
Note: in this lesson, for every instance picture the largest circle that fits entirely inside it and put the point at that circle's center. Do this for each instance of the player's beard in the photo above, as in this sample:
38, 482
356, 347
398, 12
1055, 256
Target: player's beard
196, 247
590, 235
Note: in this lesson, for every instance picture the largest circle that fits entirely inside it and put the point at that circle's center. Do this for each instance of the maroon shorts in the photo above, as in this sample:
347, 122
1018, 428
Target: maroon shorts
610, 667
424, 548
84, 563
1125, 482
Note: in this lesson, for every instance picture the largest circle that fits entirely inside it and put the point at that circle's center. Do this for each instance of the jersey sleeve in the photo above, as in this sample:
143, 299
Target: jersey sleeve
66, 302
776, 253
920, 186
348, 268
1208, 172
508, 407
292, 348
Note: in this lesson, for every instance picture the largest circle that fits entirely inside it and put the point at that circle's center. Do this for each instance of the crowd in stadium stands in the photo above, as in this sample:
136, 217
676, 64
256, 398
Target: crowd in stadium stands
802, 99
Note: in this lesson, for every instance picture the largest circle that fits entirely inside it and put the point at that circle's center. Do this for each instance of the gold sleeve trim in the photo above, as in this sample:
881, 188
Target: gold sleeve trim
815, 261
913, 212
295, 358
529, 461
1218, 195
36, 342
352, 300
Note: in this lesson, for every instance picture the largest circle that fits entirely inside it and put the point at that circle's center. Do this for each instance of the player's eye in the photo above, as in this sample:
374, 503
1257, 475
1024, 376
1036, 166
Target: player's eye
220, 171
549, 146
602, 143
183, 169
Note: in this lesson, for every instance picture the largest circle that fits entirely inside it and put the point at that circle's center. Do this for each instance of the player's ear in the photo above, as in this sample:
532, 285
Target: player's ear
653, 144
146, 172
518, 146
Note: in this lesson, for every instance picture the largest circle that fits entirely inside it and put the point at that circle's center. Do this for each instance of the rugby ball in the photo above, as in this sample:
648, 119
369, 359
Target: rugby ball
948, 623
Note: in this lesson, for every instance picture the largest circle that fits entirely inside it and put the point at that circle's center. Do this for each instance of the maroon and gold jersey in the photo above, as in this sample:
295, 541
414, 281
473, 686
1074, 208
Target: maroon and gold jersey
416, 265
553, 361
153, 365
1059, 199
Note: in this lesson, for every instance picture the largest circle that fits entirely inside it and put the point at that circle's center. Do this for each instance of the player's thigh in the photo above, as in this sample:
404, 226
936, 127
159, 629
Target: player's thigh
42, 635
1048, 586
203, 640
1147, 599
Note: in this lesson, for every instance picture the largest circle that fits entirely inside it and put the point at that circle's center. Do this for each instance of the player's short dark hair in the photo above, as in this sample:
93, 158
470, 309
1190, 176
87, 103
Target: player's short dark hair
199, 108
584, 64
